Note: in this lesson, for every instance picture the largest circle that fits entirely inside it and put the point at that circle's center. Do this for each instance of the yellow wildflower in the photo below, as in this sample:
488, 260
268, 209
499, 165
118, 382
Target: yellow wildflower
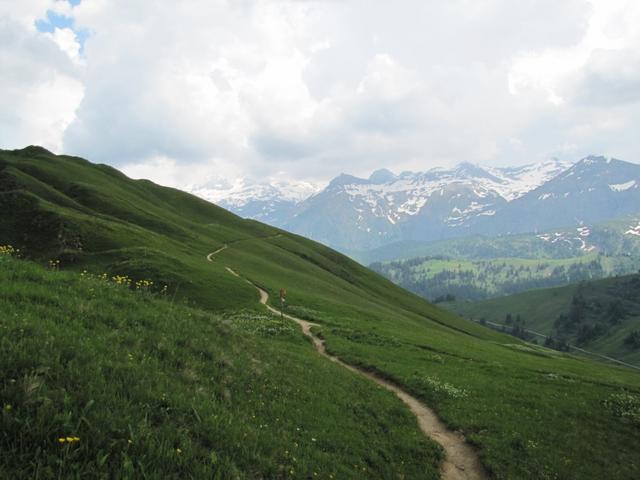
68, 439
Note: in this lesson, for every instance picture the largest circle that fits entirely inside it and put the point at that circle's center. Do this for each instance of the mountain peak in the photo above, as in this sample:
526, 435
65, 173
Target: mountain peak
601, 163
591, 159
467, 169
382, 176
33, 150
345, 179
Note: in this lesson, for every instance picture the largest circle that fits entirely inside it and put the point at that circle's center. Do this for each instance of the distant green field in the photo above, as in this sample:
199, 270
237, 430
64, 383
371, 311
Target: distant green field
96, 363
610, 314
437, 277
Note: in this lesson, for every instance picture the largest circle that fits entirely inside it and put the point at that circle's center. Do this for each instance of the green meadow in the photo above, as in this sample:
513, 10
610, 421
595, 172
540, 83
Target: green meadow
155, 389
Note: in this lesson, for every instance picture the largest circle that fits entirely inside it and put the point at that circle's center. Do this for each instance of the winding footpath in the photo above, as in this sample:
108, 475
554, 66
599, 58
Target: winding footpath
461, 461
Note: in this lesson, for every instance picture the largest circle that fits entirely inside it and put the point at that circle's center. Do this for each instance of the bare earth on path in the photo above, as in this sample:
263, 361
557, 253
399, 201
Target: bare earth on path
461, 461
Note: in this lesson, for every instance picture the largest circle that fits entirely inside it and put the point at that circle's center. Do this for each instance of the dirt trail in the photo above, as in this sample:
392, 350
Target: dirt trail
210, 256
461, 461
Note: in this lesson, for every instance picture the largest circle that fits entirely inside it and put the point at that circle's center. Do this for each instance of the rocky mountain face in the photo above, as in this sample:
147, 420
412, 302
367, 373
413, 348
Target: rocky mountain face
353, 213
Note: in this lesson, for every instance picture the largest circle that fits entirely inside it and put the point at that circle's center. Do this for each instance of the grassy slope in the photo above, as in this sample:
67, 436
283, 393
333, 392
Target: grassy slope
540, 308
524, 407
159, 389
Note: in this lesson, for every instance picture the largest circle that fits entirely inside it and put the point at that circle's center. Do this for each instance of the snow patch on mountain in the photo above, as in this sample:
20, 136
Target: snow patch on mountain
516, 181
633, 230
570, 238
621, 187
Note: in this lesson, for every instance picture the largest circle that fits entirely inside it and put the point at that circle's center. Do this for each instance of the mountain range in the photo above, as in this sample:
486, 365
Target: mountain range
358, 214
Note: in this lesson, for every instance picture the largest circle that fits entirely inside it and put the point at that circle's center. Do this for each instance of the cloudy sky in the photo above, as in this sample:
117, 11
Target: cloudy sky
184, 90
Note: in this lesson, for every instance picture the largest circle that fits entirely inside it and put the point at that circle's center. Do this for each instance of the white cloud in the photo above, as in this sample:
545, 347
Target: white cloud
174, 90
385, 79
47, 109
171, 173
594, 83
40, 87
66, 40
25, 12
552, 69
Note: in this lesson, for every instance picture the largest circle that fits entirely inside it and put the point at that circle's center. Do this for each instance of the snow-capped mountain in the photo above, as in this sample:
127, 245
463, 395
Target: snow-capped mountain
593, 190
269, 201
353, 213
356, 214
516, 181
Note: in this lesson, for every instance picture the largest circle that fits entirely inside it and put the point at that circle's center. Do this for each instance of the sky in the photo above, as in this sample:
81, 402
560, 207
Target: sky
183, 92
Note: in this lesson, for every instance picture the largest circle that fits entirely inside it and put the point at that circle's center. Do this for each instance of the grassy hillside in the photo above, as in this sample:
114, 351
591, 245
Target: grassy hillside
600, 315
153, 389
523, 407
439, 277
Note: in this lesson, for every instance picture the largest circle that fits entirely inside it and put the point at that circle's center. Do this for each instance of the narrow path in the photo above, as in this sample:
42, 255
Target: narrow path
461, 461
210, 256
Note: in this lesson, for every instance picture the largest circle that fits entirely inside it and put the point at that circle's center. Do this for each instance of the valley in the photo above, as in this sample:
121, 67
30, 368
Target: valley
601, 316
